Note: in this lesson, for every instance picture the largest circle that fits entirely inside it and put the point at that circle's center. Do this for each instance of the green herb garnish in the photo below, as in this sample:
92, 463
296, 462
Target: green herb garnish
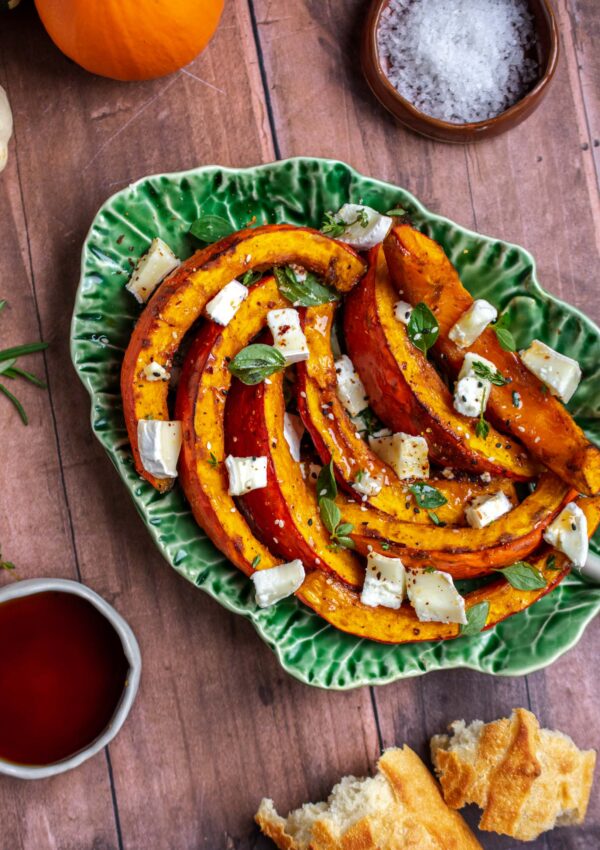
427, 496
255, 562
386, 546
523, 576
251, 277
332, 520
482, 429
551, 563
435, 519
423, 328
476, 619
334, 227
492, 375
213, 460
5, 565
396, 211
503, 335
302, 293
256, 362
326, 484
211, 228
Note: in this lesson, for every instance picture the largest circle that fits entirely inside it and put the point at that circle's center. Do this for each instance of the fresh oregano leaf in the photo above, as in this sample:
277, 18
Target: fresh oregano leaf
423, 328
302, 293
326, 484
330, 514
255, 562
256, 362
427, 496
523, 576
211, 228
503, 334
476, 619
251, 277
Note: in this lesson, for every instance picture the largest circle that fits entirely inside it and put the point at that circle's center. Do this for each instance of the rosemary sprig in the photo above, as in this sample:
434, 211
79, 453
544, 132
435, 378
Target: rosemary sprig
9, 369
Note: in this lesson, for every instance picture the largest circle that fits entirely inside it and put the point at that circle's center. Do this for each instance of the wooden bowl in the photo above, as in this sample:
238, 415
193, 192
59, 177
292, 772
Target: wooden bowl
445, 131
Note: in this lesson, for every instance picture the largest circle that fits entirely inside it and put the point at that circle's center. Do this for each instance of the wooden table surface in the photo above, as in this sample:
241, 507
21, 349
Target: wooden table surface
217, 724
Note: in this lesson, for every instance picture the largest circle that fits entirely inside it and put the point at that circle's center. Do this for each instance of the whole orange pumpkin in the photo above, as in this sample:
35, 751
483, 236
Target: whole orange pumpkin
130, 39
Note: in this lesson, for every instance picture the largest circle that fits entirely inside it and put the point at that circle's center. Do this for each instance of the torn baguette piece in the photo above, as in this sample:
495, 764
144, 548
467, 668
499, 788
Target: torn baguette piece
400, 807
527, 780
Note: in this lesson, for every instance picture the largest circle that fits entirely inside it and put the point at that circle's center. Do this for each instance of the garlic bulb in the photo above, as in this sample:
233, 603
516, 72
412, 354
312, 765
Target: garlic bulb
6, 127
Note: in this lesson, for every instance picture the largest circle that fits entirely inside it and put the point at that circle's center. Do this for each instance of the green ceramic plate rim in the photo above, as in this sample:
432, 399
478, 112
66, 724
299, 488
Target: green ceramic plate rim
365, 680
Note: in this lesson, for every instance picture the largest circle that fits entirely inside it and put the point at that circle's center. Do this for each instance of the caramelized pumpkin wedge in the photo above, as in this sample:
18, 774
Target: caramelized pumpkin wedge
200, 405
335, 436
462, 552
181, 298
342, 608
285, 513
406, 392
420, 269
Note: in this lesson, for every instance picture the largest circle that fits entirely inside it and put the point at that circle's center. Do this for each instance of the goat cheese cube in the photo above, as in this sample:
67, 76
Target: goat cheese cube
434, 597
223, 307
471, 395
402, 311
407, 455
159, 442
560, 373
246, 474
466, 370
365, 227
350, 388
293, 430
472, 323
275, 583
151, 269
569, 534
155, 372
288, 336
385, 582
366, 484
485, 509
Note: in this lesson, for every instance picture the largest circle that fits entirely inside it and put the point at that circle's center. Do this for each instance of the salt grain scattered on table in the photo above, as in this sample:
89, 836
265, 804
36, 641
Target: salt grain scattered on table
459, 60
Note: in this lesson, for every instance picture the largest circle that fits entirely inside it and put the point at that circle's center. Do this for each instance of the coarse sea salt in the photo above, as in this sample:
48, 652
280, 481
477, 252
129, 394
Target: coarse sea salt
459, 60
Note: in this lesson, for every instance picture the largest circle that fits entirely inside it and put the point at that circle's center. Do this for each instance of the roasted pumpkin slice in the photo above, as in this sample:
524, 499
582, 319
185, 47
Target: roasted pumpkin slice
420, 269
200, 405
462, 552
406, 392
285, 513
181, 298
341, 606
335, 436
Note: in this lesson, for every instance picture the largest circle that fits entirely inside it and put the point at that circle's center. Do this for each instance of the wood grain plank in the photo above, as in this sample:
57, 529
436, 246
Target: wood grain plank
584, 33
73, 810
217, 724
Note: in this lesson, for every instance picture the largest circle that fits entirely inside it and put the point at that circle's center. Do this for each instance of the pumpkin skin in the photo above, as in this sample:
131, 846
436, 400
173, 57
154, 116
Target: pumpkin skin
130, 39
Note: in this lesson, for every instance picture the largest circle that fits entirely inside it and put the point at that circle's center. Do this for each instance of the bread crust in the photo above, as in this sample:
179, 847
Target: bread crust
526, 779
417, 819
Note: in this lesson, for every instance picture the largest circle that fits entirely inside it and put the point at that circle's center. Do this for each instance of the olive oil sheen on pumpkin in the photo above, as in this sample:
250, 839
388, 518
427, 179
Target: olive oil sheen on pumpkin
62, 674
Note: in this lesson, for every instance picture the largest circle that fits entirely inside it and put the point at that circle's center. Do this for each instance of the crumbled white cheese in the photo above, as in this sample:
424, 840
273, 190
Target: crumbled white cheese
485, 509
472, 323
246, 474
350, 388
366, 227
569, 534
407, 455
561, 374
434, 597
366, 484
276, 583
159, 442
151, 269
385, 582
223, 307
402, 311
471, 395
155, 372
293, 430
288, 336
467, 365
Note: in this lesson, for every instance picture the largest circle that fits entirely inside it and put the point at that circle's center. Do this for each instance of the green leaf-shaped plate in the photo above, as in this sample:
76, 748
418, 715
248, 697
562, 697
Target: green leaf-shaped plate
299, 191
